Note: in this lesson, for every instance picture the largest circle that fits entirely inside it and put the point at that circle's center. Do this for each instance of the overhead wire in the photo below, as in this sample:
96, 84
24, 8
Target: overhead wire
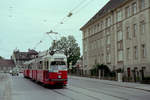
71, 13
38, 43
78, 5
76, 9
11, 9
82, 7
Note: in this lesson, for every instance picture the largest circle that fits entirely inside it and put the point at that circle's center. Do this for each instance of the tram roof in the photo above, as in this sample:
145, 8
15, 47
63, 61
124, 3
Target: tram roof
56, 55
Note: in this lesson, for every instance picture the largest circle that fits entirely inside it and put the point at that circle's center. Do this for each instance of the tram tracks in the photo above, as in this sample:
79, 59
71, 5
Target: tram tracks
97, 92
56, 91
71, 98
86, 92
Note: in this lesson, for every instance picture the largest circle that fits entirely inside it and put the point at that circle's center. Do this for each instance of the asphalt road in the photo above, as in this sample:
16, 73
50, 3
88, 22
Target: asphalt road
77, 89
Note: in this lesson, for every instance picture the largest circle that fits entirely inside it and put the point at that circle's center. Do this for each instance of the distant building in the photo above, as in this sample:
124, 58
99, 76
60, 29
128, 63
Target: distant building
20, 57
119, 36
79, 63
6, 65
79, 66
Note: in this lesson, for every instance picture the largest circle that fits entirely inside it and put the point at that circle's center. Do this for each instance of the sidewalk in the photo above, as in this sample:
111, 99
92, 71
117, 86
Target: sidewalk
5, 89
139, 86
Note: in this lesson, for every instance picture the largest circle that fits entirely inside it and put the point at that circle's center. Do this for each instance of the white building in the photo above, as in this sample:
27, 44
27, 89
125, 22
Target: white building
119, 36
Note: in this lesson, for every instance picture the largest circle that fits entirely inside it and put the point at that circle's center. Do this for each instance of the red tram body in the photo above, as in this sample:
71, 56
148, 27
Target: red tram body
49, 70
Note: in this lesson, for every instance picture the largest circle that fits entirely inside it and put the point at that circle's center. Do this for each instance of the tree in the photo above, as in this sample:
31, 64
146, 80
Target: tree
69, 47
102, 67
1, 57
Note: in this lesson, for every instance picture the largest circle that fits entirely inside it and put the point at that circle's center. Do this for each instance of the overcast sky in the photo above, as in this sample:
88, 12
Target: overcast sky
23, 23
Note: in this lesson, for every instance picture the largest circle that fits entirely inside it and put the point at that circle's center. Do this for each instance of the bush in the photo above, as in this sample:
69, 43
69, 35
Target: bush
112, 74
146, 80
97, 67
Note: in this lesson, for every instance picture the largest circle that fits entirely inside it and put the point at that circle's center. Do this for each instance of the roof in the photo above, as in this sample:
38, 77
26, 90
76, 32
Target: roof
33, 52
111, 5
6, 63
25, 55
21, 55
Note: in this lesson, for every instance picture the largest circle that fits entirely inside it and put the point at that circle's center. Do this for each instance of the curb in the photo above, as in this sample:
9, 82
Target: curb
148, 90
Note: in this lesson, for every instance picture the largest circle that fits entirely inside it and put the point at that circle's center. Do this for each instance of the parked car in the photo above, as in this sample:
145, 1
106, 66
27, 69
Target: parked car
14, 73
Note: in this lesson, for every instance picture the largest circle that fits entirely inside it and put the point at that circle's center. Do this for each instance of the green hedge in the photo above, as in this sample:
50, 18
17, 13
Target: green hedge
105, 68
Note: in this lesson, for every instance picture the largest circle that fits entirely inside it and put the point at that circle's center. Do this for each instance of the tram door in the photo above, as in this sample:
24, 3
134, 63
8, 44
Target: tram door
46, 64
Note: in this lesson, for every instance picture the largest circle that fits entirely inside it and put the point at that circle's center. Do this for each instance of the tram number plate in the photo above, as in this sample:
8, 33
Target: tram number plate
59, 76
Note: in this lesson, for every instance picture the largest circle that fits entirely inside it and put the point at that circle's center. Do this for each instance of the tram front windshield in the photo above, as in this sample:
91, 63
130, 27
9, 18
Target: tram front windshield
58, 66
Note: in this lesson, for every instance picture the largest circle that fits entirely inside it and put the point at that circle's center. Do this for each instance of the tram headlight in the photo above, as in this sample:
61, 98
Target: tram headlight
59, 76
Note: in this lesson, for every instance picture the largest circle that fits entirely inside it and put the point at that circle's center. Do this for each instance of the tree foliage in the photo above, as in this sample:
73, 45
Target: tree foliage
1, 57
102, 67
69, 47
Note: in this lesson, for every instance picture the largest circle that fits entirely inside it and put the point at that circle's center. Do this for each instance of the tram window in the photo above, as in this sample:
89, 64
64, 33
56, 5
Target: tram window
32, 66
58, 63
29, 66
40, 67
40, 62
47, 64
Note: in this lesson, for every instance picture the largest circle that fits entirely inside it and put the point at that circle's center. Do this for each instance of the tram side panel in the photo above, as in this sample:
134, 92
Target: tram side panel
40, 76
34, 77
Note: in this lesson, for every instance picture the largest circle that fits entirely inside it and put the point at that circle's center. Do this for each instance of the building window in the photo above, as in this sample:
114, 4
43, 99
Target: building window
108, 39
134, 30
108, 58
119, 36
94, 44
109, 21
134, 8
142, 27
142, 4
120, 55
127, 11
128, 53
89, 31
128, 32
120, 45
102, 25
106, 22
94, 28
85, 48
98, 27
135, 52
102, 58
119, 16
107, 32
143, 50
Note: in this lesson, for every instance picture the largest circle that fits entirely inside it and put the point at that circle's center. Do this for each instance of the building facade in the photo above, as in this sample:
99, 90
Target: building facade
119, 36
20, 57
6, 65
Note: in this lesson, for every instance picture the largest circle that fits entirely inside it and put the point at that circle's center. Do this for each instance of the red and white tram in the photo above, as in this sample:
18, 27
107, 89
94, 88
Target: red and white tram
48, 69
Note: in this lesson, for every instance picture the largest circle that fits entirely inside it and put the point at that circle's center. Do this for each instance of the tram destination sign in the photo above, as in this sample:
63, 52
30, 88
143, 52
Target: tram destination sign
59, 59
